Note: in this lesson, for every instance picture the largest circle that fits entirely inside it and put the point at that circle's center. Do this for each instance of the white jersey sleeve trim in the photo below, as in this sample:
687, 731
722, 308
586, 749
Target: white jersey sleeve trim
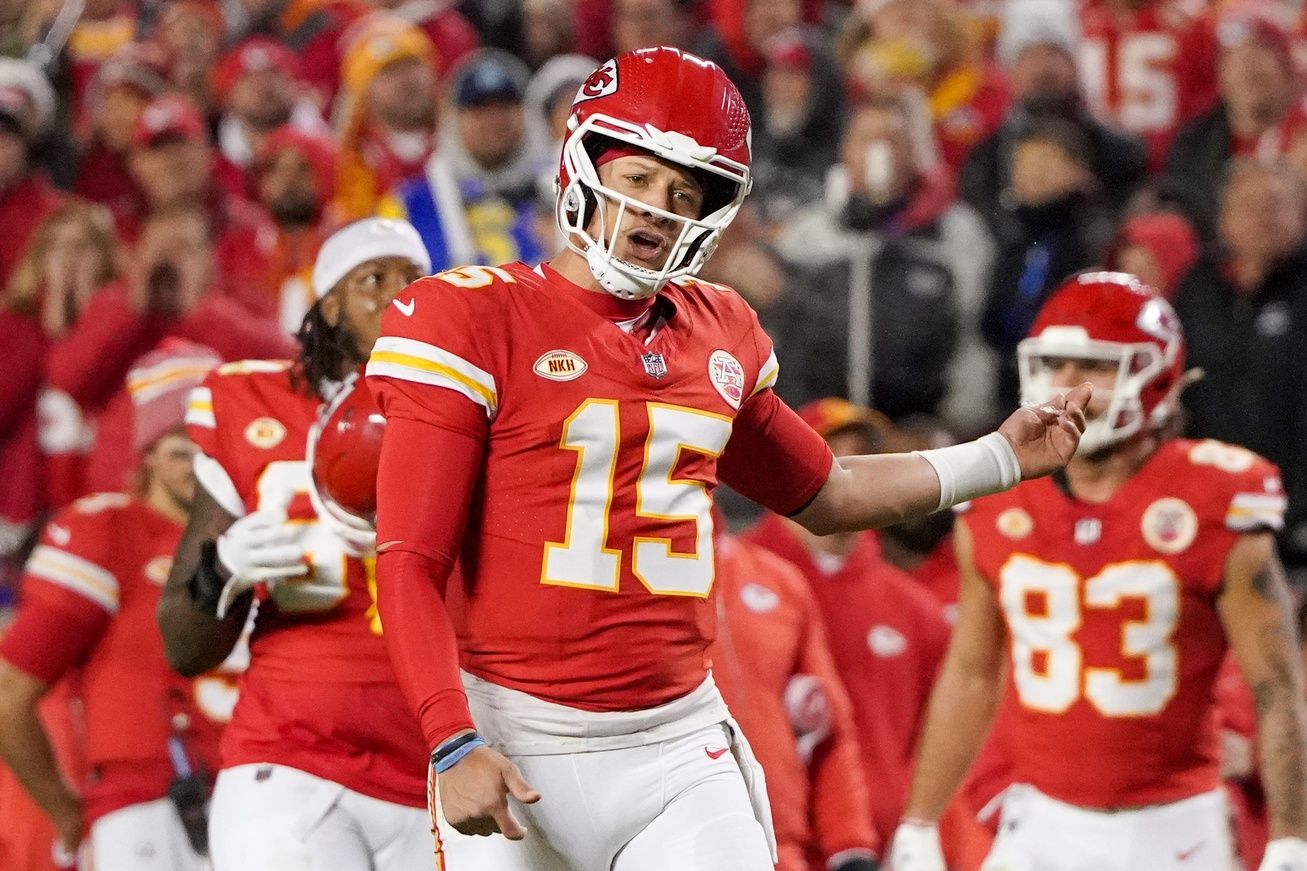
199, 408
1250, 511
767, 375
423, 363
218, 484
75, 573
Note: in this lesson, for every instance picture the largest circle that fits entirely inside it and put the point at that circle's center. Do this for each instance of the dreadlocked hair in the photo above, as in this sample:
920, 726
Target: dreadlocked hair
326, 352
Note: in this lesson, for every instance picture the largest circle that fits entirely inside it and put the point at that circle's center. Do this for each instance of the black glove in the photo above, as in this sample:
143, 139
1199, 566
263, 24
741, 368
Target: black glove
861, 863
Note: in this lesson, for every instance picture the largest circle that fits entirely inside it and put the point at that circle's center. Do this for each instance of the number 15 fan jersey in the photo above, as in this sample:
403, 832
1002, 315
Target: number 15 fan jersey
587, 560
1112, 623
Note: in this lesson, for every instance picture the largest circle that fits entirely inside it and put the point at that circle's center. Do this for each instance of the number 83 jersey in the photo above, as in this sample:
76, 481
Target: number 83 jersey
588, 558
1113, 632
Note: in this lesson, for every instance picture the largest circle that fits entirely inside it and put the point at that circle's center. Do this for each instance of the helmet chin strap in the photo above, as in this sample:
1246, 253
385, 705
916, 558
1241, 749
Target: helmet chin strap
618, 282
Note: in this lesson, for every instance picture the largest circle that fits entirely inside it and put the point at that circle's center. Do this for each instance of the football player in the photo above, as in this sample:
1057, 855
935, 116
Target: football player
323, 760
1113, 590
88, 601
559, 431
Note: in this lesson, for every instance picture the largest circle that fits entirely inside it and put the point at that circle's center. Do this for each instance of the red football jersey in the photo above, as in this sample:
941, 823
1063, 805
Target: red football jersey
1114, 636
888, 638
770, 632
88, 600
587, 560
319, 694
1148, 70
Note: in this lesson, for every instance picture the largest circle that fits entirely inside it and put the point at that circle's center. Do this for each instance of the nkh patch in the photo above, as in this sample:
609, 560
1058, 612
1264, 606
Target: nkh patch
654, 365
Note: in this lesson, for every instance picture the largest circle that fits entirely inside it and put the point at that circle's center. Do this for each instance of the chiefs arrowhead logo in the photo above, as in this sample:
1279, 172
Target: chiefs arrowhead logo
601, 83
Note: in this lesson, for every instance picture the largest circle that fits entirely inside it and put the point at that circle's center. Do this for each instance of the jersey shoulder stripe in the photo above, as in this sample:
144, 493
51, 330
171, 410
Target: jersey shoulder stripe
76, 574
424, 363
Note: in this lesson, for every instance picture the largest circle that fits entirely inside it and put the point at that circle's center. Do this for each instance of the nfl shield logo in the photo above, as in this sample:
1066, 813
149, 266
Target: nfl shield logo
654, 364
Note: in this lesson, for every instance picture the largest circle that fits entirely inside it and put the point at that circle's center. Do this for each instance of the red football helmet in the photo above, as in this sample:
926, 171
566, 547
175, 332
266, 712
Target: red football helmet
673, 105
344, 450
1109, 316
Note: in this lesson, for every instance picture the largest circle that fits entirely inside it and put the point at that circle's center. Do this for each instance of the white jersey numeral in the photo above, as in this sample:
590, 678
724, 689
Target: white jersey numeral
583, 558
1044, 607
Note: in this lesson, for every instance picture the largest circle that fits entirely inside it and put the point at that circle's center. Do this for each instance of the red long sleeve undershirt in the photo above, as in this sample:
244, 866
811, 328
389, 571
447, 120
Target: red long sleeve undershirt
424, 484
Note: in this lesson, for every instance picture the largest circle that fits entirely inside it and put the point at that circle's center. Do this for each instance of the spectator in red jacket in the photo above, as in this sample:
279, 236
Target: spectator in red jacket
259, 89
173, 288
172, 163
774, 669
886, 632
27, 106
293, 180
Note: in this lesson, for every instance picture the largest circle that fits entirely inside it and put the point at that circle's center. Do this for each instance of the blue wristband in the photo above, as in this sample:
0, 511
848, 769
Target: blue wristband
448, 761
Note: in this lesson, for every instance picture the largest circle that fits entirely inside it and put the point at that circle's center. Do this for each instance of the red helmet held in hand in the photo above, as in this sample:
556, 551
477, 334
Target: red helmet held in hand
344, 450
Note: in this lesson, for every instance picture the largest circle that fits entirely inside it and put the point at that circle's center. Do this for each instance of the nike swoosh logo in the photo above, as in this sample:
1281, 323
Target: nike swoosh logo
715, 754
406, 308
1183, 855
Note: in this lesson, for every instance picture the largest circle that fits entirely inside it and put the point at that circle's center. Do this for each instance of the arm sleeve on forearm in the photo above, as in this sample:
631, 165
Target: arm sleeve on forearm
773, 457
424, 484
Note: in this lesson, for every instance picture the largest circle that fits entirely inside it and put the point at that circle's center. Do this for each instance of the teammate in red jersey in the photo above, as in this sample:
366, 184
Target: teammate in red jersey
1148, 66
775, 671
323, 760
559, 431
1118, 586
89, 595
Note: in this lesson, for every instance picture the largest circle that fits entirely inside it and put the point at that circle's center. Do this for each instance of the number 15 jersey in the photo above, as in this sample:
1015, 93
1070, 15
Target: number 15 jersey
587, 561
1112, 623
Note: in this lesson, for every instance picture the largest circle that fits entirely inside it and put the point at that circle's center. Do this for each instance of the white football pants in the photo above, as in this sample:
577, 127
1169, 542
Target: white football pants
1039, 833
274, 818
141, 837
677, 804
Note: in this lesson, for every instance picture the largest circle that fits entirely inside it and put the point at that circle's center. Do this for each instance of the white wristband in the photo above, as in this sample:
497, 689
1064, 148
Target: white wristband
987, 465
1287, 852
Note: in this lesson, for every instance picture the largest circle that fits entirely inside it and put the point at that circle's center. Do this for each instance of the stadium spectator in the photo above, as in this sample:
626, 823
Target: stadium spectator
1260, 105
1159, 247
1244, 309
27, 107
797, 132
89, 596
124, 84
547, 103
173, 288
1037, 46
1055, 224
1148, 66
258, 90
47, 436
293, 179
773, 667
547, 30
478, 201
451, 34
385, 115
312, 29
103, 30
737, 41
172, 164
899, 45
891, 277
886, 633
635, 24
190, 31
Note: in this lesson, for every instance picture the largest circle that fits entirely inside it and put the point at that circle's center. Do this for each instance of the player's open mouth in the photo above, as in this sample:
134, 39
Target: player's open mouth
644, 244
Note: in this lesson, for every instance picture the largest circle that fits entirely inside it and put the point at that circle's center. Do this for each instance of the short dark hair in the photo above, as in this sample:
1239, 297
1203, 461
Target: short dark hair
1064, 134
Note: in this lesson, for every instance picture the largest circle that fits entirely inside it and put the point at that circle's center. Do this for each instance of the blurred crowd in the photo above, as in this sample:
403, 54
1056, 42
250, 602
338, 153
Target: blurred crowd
926, 172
